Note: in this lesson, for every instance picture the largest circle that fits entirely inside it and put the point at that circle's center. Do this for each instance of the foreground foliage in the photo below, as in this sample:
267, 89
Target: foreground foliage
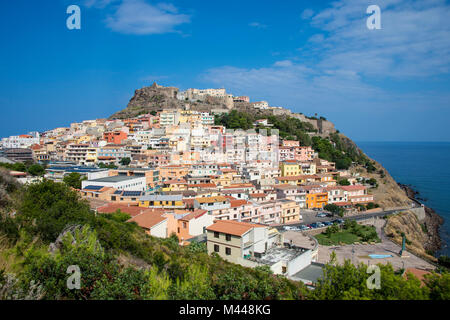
117, 260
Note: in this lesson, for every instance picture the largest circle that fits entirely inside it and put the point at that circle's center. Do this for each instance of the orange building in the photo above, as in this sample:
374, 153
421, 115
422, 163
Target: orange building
115, 137
316, 200
173, 172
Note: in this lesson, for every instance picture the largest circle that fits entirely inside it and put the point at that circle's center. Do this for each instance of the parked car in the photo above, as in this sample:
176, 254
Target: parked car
314, 225
288, 228
327, 223
321, 215
338, 221
320, 225
302, 228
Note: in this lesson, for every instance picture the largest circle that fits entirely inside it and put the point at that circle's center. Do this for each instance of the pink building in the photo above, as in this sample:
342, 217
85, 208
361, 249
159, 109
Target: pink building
303, 153
357, 194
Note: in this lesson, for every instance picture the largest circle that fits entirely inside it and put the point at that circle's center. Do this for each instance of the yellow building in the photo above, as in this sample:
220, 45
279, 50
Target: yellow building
290, 211
162, 202
290, 168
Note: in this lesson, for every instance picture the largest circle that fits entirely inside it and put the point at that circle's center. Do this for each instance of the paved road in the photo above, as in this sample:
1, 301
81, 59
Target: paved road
310, 217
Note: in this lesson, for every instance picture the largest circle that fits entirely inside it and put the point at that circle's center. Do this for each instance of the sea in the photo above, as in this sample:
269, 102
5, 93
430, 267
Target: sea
425, 166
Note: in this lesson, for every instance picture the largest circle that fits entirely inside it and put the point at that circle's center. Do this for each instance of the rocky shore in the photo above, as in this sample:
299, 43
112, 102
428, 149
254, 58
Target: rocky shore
432, 221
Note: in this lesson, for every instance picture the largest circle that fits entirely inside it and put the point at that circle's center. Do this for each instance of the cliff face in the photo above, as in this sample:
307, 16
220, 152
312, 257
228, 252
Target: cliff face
419, 241
157, 98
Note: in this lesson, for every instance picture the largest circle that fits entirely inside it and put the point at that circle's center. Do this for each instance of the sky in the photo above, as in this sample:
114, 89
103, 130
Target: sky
388, 84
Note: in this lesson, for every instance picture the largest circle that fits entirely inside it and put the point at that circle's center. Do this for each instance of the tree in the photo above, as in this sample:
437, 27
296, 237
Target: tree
334, 209
344, 182
125, 161
73, 180
36, 170
48, 207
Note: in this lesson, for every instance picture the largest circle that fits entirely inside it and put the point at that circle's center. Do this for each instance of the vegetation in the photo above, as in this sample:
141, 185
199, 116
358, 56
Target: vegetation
343, 182
125, 161
73, 180
166, 270
31, 168
53, 229
349, 282
106, 166
334, 209
350, 233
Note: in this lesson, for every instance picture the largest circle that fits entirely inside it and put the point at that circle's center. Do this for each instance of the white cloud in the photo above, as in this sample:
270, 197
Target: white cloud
257, 25
100, 4
141, 18
283, 63
350, 73
307, 14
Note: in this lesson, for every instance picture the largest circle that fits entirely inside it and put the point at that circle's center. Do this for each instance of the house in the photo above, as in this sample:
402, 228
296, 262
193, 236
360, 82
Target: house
162, 202
119, 182
357, 194
115, 137
156, 223
234, 241
316, 200
291, 192
252, 245
212, 204
290, 168
193, 224
290, 211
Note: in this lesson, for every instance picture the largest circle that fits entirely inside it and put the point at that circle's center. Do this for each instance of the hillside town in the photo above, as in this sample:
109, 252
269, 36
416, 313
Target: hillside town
177, 172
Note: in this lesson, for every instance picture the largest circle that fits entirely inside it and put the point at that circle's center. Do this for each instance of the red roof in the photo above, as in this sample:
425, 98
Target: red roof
232, 227
238, 203
194, 215
131, 210
148, 220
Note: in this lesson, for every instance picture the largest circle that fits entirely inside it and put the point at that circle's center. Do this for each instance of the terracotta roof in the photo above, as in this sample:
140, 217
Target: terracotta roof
202, 185
194, 215
238, 203
148, 220
233, 227
131, 210
211, 199
258, 195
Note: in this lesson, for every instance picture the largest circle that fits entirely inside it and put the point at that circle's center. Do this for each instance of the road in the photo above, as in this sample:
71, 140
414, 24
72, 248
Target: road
310, 217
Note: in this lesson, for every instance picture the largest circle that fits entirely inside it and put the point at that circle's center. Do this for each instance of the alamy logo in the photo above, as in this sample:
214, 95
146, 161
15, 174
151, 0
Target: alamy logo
74, 281
374, 21
374, 281
74, 20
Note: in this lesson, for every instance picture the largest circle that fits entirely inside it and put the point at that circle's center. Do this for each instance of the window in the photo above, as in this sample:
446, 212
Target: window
228, 251
228, 237
216, 235
216, 248
184, 225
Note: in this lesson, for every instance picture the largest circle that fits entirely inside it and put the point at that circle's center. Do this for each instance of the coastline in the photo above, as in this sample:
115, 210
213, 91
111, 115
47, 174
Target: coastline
433, 221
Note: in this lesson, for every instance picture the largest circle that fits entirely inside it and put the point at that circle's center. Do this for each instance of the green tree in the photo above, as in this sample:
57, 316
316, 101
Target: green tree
48, 207
344, 182
74, 180
125, 161
36, 170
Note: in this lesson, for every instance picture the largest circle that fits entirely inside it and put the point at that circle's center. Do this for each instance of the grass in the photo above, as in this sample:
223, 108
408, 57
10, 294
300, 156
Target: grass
336, 238
348, 235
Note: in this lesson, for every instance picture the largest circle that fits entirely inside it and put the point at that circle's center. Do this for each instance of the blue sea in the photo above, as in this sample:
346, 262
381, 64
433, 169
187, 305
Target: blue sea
423, 165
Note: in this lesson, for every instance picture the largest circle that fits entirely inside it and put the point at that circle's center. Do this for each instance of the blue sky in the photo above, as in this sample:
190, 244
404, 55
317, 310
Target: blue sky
310, 56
